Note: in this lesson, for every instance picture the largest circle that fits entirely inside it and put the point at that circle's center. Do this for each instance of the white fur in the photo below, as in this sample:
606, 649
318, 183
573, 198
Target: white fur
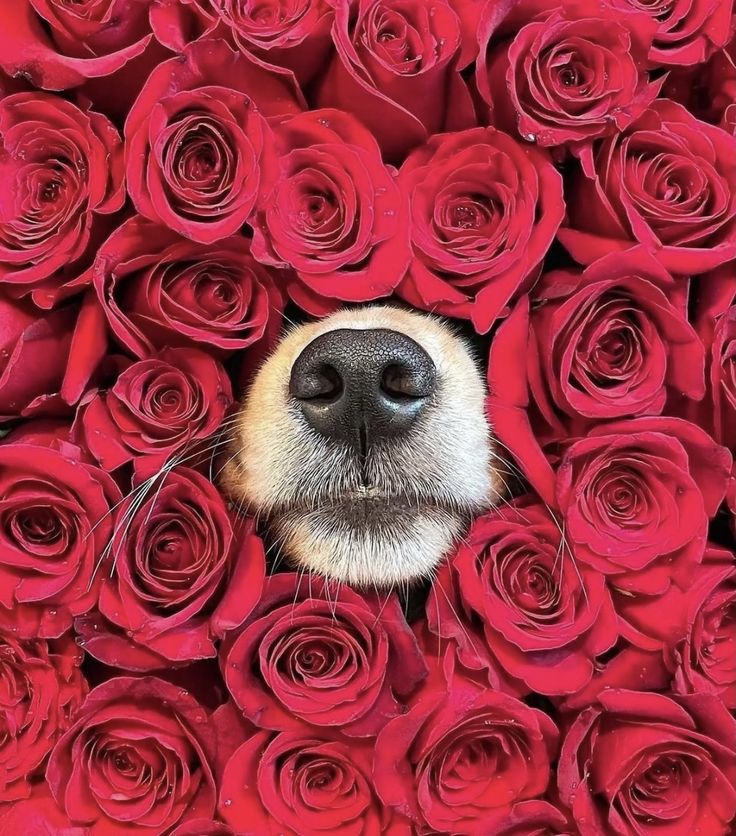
430, 481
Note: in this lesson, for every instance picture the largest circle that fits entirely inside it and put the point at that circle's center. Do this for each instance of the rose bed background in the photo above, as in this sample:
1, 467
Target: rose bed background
178, 180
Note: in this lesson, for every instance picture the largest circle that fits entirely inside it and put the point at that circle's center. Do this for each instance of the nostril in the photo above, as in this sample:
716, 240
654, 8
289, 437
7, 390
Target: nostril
401, 382
319, 384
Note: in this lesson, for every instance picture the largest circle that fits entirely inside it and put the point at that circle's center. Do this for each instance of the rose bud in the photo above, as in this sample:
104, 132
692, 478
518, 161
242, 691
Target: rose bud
327, 658
60, 45
646, 763
667, 182
159, 291
573, 71
303, 781
336, 215
199, 151
636, 497
56, 518
294, 36
41, 690
484, 212
441, 765
137, 757
156, 408
704, 661
47, 359
184, 572
545, 618
61, 168
395, 68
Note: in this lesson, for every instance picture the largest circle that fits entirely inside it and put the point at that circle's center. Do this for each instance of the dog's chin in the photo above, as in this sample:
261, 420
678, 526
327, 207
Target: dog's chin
368, 539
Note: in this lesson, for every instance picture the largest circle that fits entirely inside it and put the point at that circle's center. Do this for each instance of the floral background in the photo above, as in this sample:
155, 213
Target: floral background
178, 180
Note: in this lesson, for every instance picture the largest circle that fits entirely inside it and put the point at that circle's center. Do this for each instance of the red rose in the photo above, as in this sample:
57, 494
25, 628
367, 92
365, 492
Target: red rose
336, 214
199, 151
463, 758
160, 291
40, 689
687, 32
646, 763
534, 818
667, 182
714, 317
484, 212
573, 71
156, 408
47, 359
57, 44
626, 666
610, 341
636, 497
38, 815
137, 758
55, 524
295, 36
395, 68
705, 661
60, 169
302, 782
203, 827
327, 658
544, 617
184, 573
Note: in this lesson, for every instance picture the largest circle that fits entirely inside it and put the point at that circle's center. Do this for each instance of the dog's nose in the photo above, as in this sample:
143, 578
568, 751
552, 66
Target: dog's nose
361, 386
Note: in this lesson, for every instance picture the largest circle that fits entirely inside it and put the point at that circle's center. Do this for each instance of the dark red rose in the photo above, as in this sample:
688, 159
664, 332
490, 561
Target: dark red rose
705, 660
463, 758
323, 657
484, 211
293, 35
335, 215
688, 31
55, 522
545, 617
40, 690
58, 44
159, 290
610, 341
648, 764
47, 359
137, 758
184, 572
61, 167
303, 781
667, 182
199, 151
396, 69
38, 815
636, 497
156, 408
573, 71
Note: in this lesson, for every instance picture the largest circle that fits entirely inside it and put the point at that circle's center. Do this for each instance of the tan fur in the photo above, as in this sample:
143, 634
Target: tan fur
430, 481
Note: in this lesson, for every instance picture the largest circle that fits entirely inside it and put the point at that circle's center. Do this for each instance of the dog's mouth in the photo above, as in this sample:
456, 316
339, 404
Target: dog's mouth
369, 507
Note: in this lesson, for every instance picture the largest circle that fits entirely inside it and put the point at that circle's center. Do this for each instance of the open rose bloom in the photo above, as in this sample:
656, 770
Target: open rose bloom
186, 186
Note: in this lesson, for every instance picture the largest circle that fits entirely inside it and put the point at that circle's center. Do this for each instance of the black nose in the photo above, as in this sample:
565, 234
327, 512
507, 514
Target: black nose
361, 386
